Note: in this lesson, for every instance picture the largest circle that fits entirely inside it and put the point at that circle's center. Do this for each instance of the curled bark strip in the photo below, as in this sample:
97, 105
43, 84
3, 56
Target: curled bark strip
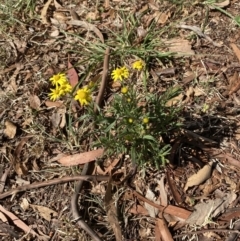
52, 182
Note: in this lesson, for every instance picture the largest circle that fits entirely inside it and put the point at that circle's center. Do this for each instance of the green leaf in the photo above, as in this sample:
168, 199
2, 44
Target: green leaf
110, 127
237, 19
149, 137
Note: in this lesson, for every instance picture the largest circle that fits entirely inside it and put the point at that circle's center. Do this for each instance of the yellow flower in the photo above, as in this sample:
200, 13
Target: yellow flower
130, 120
55, 93
120, 73
66, 88
83, 96
145, 120
124, 90
58, 79
139, 64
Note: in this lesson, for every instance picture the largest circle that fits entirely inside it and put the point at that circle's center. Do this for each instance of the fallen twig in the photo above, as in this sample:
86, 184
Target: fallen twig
74, 199
52, 182
173, 210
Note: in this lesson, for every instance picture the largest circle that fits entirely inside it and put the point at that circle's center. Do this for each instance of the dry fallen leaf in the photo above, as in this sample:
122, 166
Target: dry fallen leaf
74, 14
72, 74
49, 103
201, 176
198, 91
205, 211
236, 50
59, 118
180, 46
60, 17
234, 82
55, 33
221, 4
58, 24
17, 221
34, 102
44, 12
188, 76
19, 147
55, 119
112, 165
161, 17
20, 45
88, 26
189, 94
12, 84
10, 129
81, 158
24, 204
45, 212
92, 15
18, 164
175, 100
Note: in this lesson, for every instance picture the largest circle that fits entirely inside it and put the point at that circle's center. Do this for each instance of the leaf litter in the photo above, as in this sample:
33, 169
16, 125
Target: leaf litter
205, 212
208, 74
201, 176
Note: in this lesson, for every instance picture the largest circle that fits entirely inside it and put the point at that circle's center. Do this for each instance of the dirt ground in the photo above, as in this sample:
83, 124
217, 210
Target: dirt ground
195, 196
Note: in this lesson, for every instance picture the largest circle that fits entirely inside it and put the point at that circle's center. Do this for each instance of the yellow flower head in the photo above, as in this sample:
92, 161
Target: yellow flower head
139, 64
83, 96
130, 120
66, 87
55, 93
124, 90
58, 79
120, 73
145, 120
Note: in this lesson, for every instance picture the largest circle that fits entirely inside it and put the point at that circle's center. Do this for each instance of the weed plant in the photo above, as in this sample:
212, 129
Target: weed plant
136, 119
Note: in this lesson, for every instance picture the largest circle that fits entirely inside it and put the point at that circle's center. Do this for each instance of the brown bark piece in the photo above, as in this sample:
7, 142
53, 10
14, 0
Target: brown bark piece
161, 225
